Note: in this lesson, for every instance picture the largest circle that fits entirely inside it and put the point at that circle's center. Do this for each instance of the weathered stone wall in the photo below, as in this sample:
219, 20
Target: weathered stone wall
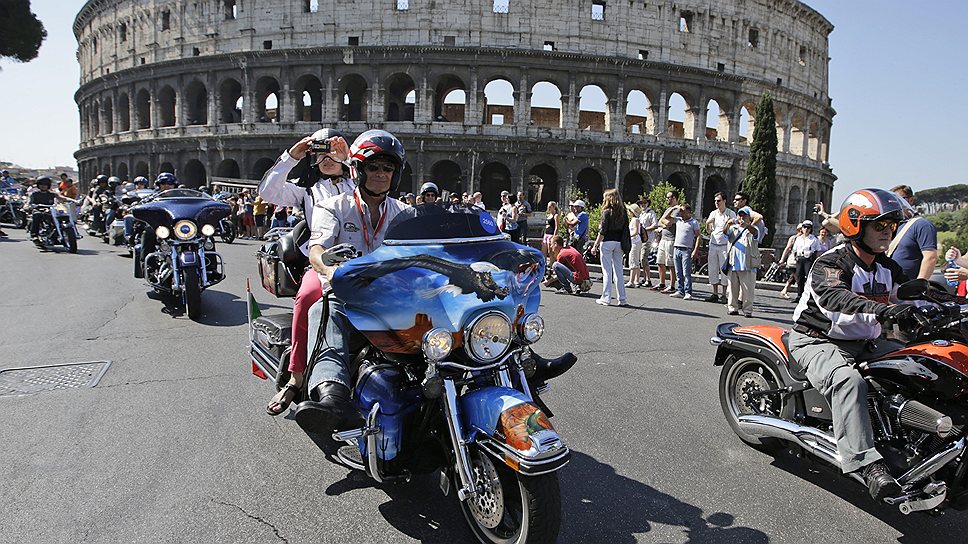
186, 86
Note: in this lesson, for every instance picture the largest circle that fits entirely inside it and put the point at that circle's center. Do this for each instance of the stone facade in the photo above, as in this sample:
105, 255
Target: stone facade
220, 87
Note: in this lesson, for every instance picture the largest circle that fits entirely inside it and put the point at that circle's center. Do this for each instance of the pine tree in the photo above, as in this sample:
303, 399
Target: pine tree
21, 33
760, 181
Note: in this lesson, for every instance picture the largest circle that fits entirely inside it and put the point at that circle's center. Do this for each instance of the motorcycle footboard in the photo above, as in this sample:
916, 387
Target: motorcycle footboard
506, 425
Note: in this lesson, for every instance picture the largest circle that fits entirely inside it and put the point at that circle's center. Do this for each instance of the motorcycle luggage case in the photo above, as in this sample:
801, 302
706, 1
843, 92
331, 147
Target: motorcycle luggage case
273, 331
388, 385
277, 278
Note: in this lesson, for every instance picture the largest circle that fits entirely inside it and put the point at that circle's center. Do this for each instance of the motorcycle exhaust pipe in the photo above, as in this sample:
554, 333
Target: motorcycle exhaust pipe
915, 415
811, 439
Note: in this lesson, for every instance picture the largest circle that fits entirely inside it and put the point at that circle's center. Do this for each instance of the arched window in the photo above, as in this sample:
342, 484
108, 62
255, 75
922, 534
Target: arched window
637, 107
592, 109
499, 103
545, 105
794, 207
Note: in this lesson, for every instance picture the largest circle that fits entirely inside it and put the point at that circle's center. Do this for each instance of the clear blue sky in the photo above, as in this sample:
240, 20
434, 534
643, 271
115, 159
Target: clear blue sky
897, 74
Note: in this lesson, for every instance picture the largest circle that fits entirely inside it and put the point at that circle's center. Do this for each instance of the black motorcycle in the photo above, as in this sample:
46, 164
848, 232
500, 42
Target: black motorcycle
226, 229
177, 254
56, 227
12, 209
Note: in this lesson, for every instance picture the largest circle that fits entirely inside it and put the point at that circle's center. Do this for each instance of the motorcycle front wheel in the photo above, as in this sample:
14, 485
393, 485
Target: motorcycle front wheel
71, 241
20, 221
512, 508
193, 293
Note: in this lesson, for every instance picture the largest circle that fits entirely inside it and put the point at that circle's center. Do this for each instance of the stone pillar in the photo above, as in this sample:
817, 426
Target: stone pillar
376, 107
662, 120
522, 101
699, 121
331, 97
616, 113
734, 122
425, 97
212, 100
132, 108
806, 138
472, 108
787, 133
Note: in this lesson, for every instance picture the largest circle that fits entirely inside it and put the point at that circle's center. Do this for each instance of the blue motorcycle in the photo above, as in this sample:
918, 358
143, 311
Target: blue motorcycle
447, 379
176, 253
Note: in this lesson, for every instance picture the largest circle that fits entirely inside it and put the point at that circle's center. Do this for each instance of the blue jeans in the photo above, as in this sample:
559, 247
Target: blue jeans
335, 337
565, 276
128, 226
682, 256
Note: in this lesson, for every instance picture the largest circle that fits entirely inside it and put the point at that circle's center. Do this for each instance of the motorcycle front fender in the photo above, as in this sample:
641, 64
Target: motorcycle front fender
513, 430
188, 259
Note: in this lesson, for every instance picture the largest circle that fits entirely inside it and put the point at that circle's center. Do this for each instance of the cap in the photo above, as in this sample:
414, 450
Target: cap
411, 195
807, 223
580, 203
745, 210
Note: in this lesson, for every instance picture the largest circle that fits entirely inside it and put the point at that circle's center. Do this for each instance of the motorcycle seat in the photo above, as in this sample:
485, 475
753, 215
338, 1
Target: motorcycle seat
795, 371
277, 328
288, 248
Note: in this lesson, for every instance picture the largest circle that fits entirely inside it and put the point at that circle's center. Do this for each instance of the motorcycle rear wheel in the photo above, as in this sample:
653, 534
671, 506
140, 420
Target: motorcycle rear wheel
193, 293
71, 241
743, 375
513, 509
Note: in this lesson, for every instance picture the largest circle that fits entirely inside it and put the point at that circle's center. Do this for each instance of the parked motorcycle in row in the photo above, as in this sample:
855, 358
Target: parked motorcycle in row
448, 380
177, 253
918, 400
56, 227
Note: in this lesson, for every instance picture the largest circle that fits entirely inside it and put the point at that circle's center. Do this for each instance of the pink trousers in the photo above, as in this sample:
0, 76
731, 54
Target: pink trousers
310, 291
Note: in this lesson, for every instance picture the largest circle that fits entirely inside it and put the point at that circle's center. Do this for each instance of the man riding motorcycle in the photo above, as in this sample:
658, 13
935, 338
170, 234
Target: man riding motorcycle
849, 293
42, 196
164, 182
149, 241
99, 187
308, 173
361, 219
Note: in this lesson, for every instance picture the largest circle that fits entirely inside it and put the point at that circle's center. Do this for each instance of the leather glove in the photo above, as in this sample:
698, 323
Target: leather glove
906, 316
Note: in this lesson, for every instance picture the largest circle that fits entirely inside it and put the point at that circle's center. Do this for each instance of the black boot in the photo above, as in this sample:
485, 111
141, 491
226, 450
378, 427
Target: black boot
331, 411
880, 483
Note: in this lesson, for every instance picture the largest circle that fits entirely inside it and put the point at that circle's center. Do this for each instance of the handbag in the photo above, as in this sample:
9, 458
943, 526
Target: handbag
626, 241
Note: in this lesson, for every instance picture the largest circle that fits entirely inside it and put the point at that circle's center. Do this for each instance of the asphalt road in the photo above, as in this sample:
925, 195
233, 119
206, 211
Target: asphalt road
173, 445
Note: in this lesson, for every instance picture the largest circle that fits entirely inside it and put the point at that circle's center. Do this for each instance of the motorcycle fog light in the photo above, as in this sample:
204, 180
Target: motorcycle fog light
488, 337
209, 244
208, 230
437, 344
162, 232
185, 229
532, 328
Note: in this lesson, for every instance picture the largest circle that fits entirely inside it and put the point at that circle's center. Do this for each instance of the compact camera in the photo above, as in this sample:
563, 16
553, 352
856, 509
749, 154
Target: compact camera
816, 208
320, 146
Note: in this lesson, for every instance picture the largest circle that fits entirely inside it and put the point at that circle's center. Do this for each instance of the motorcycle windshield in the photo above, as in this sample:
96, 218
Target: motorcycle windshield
170, 206
437, 271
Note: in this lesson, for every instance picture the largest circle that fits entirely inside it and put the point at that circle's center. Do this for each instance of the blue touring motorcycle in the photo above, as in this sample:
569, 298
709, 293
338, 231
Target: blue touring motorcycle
176, 254
446, 378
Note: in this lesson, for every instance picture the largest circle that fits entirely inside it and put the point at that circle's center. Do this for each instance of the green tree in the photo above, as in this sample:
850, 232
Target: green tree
657, 199
21, 33
760, 181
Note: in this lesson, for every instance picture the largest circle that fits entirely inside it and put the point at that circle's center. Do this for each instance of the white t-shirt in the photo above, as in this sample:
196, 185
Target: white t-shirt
804, 246
718, 236
647, 219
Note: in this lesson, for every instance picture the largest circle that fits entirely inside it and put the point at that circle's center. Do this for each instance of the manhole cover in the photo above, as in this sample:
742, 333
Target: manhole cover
37, 379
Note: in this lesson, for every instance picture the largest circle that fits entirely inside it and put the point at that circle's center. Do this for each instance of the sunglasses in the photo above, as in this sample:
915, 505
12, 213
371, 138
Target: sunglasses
373, 168
879, 226
738, 199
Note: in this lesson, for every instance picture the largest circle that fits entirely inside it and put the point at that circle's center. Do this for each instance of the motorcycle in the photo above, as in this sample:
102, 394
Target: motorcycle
12, 209
183, 262
114, 233
111, 210
447, 379
918, 399
226, 229
56, 227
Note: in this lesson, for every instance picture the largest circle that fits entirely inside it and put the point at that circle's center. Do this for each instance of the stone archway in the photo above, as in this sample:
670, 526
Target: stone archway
542, 186
447, 175
495, 177
591, 184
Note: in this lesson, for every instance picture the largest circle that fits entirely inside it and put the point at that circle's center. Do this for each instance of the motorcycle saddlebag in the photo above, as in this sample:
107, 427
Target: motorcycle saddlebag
277, 278
386, 384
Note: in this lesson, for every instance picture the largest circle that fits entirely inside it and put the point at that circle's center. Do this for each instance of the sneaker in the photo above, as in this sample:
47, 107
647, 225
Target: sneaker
630, 285
602, 302
712, 298
880, 483
687, 296
624, 304
561, 291
675, 294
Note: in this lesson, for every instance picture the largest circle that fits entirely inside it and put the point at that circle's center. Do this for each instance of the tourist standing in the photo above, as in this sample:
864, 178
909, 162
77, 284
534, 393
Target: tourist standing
743, 260
686, 247
718, 245
609, 243
635, 254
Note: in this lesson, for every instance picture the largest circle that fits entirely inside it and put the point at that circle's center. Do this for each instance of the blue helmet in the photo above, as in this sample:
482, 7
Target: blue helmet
166, 178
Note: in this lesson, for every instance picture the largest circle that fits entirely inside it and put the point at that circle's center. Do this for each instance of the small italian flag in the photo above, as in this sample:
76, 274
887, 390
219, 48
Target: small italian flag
251, 305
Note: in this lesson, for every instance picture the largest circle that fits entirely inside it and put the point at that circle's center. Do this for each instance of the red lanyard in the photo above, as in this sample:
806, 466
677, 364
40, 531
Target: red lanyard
363, 220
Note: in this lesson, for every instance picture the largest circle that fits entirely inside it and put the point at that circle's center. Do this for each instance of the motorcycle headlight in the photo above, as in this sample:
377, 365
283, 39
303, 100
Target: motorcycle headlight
208, 230
437, 344
488, 337
185, 229
531, 328
162, 232
209, 244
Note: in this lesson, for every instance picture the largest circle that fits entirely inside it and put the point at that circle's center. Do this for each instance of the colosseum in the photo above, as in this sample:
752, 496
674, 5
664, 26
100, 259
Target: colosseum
548, 96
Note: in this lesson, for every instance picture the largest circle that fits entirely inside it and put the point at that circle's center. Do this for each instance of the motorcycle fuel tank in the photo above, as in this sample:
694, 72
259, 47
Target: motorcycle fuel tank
408, 286
938, 368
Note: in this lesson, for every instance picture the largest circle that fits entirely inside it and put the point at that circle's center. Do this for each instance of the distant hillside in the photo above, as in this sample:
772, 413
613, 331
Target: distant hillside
952, 193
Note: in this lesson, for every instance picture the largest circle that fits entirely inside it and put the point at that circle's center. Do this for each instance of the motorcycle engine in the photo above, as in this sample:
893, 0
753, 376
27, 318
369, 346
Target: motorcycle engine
907, 430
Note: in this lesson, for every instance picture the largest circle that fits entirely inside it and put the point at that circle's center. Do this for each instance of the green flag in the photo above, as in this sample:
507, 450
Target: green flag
253, 306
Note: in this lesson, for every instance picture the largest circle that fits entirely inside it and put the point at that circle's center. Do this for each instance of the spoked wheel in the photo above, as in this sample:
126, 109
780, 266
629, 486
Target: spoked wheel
510, 508
192, 294
740, 382
228, 233
20, 221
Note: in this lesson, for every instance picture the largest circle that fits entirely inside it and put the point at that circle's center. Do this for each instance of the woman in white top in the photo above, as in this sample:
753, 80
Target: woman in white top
805, 249
635, 256
789, 261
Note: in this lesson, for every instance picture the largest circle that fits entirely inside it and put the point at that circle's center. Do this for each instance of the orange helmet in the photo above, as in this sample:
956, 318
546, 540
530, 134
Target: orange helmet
868, 205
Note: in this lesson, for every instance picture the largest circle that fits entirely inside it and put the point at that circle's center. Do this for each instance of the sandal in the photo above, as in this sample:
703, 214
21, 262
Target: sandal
785, 295
283, 404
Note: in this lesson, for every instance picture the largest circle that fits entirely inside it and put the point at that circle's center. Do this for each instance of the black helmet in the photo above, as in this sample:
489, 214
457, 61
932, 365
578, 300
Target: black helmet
376, 143
166, 178
43, 180
142, 180
114, 180
101, 179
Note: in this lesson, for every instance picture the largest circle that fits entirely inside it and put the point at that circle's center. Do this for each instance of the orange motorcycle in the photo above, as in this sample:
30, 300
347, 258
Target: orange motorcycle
918, 399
